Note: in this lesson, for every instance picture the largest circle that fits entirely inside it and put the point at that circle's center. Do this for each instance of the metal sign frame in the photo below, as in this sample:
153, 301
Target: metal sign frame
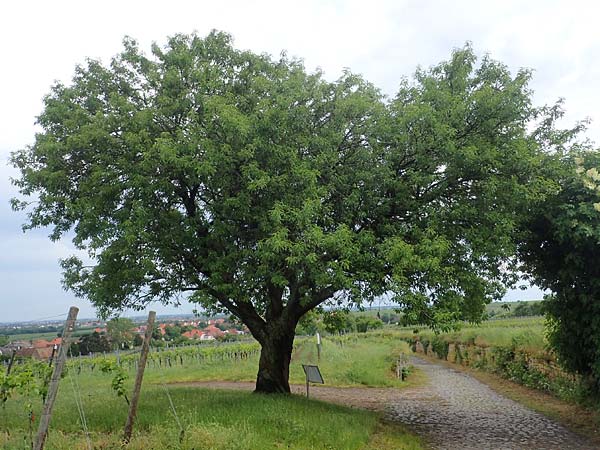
313, 375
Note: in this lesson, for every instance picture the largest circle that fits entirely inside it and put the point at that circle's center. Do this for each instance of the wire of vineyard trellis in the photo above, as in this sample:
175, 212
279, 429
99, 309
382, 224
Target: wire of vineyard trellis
79, 404
174, 411
172, 406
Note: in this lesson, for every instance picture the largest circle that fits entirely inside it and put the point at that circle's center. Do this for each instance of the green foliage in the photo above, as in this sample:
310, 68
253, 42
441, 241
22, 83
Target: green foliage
341, 321
283, 176
90, 343
172, 332
337, 321
137, 340
440, 346
362, 324
389, 317
28, 378
120, 332
307, 325
518, 366
515, 309
559, 250
267, 191
525, 309
110, 366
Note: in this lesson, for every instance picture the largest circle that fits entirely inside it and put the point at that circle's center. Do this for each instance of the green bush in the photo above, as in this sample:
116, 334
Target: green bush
440, 347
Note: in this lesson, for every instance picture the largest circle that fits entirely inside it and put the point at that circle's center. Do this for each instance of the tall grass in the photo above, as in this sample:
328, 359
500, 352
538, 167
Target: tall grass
210, 420
526, 334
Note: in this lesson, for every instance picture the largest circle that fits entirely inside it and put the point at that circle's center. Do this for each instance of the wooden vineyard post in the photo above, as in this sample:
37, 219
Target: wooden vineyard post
138, 378
56, 373
11, 362
307, 385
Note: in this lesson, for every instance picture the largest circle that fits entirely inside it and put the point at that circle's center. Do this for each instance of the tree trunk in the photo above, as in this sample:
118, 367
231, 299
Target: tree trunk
274, 365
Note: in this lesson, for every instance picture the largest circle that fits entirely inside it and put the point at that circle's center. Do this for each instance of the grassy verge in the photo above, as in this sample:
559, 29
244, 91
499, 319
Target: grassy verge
527, 333
210, 420
391, 436
512, 348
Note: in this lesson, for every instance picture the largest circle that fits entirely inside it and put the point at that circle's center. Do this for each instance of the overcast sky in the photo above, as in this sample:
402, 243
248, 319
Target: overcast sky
42, 41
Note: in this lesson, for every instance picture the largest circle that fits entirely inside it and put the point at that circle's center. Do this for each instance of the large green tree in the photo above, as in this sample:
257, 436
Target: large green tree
560, 249
264, 190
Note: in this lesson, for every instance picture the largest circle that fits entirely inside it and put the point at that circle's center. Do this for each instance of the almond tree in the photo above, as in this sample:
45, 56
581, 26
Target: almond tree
257, 188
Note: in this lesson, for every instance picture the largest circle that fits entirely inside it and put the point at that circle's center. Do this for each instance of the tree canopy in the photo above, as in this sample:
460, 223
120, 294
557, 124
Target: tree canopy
90, 343
120, 332
264, 190
560, 251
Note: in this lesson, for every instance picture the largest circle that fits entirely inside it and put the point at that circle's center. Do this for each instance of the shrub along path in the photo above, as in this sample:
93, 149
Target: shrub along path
454, 411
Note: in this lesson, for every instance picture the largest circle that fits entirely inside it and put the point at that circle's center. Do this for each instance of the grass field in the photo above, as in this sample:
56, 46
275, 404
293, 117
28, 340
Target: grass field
525, 333
46, 335
213, 419
32, 336
357, 362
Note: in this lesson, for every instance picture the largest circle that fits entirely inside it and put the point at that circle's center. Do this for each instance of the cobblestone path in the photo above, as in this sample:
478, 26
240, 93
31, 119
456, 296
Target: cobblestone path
454, 411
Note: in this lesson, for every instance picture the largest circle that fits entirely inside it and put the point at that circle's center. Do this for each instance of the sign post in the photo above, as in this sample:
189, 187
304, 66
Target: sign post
318, 347
313, 375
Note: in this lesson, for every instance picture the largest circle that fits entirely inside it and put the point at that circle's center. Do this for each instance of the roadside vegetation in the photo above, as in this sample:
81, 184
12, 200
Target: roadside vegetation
525, 333
516, 349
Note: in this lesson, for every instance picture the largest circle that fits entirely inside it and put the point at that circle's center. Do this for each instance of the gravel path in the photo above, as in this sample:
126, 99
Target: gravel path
454, 411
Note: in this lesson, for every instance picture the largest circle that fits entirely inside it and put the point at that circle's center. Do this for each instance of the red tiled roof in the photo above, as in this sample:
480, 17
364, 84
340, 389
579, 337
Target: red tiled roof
193, 334
213, 331
42, 343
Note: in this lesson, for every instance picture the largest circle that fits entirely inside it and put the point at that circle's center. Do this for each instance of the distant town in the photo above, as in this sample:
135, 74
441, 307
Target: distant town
39, 340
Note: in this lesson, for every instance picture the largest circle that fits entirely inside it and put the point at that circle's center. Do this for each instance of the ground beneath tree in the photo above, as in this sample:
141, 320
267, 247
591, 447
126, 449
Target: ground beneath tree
375, 399
451, 410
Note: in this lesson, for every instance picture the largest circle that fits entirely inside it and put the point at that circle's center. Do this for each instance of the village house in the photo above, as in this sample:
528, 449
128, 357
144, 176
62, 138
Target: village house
36, 353
194, 334
234, 331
